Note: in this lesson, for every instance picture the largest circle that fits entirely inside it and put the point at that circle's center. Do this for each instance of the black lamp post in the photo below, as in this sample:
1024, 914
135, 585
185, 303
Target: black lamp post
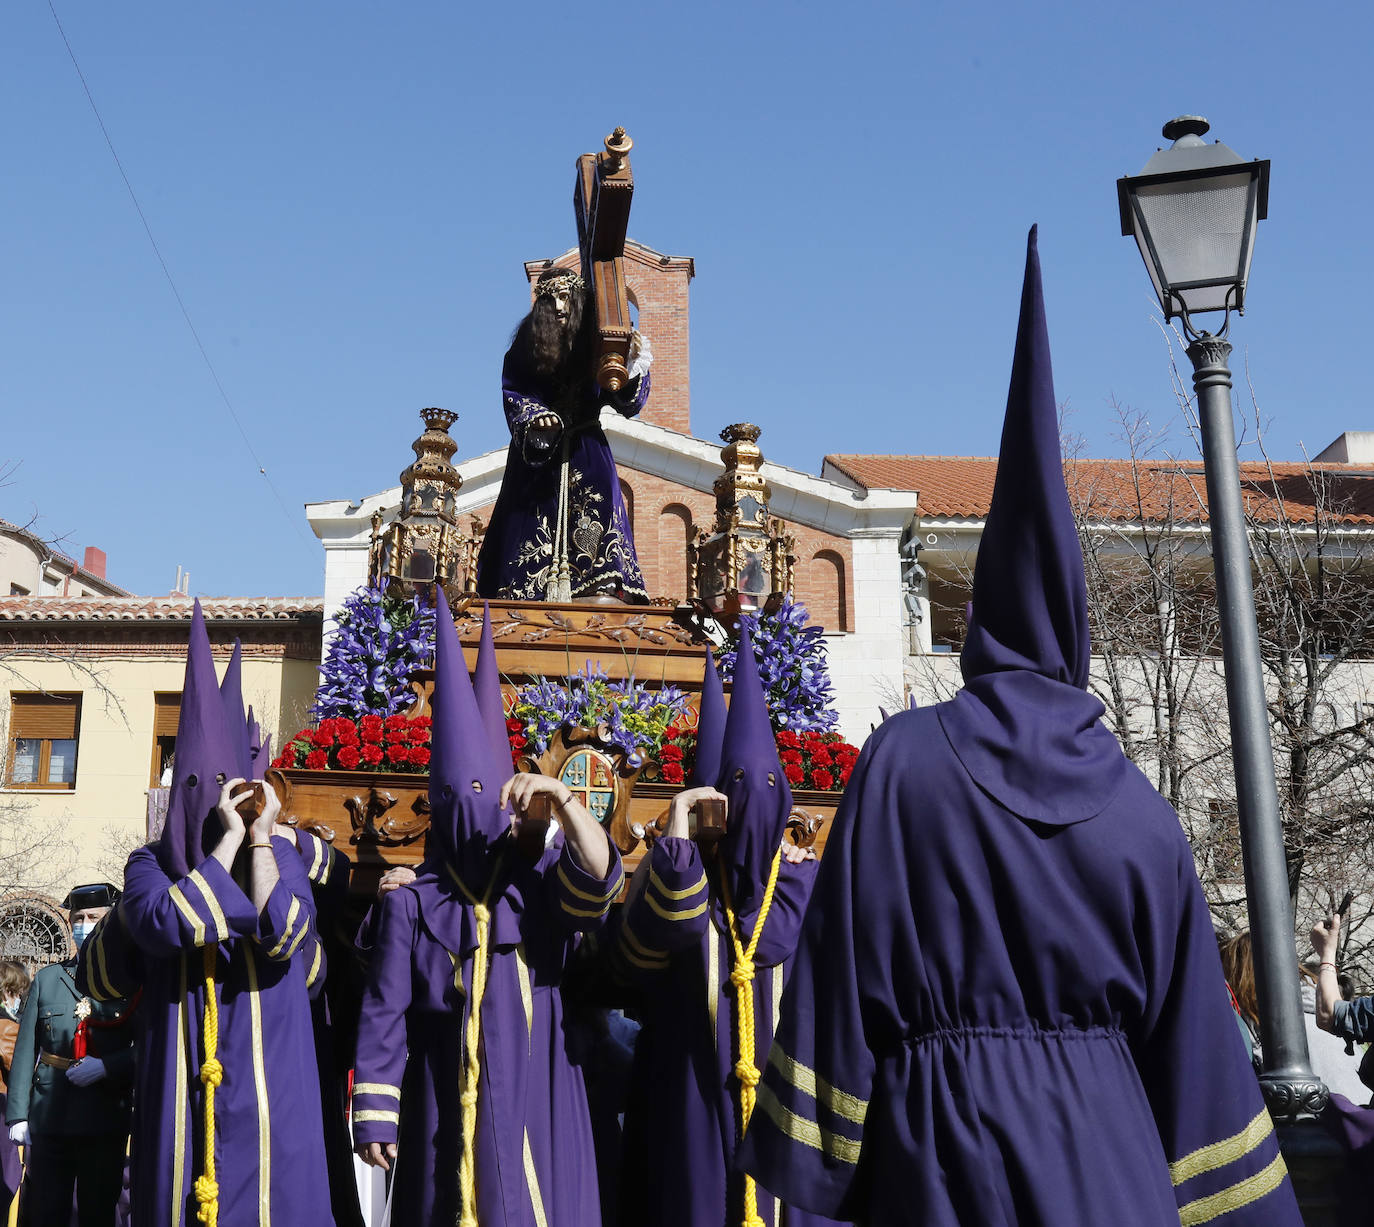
1193, 212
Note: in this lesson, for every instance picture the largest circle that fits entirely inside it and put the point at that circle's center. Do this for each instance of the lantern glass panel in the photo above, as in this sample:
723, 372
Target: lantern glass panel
1200, 229
421, 566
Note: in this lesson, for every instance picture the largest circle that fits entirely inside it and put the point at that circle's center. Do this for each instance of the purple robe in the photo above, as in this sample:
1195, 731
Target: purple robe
516, 562
534, 1157
270, 1162
1007, 1008
682, 1121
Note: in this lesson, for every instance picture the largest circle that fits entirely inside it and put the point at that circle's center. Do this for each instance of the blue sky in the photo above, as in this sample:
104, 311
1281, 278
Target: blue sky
344, 194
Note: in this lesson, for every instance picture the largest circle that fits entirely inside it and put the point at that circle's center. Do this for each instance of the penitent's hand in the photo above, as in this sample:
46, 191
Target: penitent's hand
681, 807
229, 817
402, 875
793, 854
375, 1154
261, 831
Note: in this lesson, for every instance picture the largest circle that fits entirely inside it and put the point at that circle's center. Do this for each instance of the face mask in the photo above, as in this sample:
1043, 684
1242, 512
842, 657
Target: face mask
80, 932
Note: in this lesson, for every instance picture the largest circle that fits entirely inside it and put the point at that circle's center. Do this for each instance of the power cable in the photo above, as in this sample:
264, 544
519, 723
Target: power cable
167, 273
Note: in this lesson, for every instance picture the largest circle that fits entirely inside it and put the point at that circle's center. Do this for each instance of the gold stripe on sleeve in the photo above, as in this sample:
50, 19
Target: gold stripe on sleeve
300, 937
1228, 1150
587, 896
532, 1180
314, 966
376, 1088
807, 1132
197, 925
808, 1082
1240, 1194
378, 1114
592, 913
688, 914
644, 952
685, 893
217, 912
101, 976
291, 913
314, 874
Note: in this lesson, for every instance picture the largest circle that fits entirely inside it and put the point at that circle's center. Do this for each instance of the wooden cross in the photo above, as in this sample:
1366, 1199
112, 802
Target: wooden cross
601, 201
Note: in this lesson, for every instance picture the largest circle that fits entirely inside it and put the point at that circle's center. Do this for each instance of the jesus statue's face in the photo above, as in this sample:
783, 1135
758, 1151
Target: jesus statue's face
562, 302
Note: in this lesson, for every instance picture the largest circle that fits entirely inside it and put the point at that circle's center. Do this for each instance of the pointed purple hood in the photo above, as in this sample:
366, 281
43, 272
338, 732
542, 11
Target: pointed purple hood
464, 776
205, 749
752, 779
1024, 726
710, 727
486, 682
259, 747
231, 695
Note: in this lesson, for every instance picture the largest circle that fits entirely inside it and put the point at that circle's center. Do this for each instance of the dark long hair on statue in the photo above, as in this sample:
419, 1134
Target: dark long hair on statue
558, 351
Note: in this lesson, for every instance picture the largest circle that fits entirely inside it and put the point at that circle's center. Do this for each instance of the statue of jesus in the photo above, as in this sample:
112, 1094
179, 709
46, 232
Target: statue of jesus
559, 530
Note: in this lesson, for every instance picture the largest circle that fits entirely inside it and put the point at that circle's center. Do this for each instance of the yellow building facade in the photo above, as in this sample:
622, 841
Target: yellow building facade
89, 700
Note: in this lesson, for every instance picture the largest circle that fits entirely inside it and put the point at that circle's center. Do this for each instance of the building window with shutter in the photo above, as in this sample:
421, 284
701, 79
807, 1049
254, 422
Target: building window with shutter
42, 740
166, 717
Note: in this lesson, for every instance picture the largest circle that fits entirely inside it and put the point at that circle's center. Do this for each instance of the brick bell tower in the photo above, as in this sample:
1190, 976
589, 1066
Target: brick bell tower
658, 289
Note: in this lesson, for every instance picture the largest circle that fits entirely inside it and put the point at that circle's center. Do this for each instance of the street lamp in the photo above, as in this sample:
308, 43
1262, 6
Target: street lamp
1192, 211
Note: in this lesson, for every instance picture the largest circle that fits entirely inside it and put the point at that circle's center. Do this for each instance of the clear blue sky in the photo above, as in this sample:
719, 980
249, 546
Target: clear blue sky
344, 194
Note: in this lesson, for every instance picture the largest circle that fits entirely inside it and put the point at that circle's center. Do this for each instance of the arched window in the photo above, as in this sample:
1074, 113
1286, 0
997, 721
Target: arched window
674, 527
34, 931
825, 594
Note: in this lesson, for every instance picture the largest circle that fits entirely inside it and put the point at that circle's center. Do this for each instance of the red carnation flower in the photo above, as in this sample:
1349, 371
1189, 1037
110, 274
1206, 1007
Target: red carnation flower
424, 721
370, 728
372, 755
670, 754
348, 735
397, 721
419, 735
788, 739
821, 757
789, 757
322, 739
514, 726
793, 773
349, 758
419, 756
672, 773
822, 780
845, 773
398, 755
316, 760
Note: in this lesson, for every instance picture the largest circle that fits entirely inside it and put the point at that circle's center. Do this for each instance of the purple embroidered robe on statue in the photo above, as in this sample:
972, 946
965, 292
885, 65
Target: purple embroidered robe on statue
1007, 1009
516, 561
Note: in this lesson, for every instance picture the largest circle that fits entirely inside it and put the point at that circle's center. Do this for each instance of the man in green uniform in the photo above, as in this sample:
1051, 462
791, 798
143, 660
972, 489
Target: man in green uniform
70, 1087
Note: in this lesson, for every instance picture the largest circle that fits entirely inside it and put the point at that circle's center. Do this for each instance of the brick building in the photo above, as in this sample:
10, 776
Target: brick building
848, 538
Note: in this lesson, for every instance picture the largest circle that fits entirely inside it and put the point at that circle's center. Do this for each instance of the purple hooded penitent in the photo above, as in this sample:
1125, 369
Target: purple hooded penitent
1007, 1006
259, 747
486, 681
682, 1118
179, 902
531, 1101
710, 727
231, 695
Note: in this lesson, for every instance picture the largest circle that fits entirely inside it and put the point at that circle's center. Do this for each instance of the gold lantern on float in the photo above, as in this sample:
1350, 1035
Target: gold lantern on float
424, 544
745, 562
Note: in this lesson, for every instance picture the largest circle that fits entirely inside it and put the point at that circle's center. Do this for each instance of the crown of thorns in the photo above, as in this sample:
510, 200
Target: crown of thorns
553, 285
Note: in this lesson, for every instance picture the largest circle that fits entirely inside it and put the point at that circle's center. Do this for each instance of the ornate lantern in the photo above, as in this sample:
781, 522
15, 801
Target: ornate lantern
424, 544
744, 563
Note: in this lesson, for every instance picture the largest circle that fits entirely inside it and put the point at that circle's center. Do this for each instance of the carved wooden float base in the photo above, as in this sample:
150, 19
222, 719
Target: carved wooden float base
380, 819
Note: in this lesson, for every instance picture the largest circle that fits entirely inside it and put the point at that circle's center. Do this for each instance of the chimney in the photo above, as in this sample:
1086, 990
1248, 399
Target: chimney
94, 562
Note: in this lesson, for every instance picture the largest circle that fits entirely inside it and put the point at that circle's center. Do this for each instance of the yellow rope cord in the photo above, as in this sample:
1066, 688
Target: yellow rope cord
742, 978
471, 1072
211, 1074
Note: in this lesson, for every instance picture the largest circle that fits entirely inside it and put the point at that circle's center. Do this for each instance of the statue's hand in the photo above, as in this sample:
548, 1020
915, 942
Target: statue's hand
546, 428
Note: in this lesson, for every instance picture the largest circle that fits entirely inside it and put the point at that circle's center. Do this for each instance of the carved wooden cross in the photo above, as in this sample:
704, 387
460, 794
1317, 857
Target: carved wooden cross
601, 201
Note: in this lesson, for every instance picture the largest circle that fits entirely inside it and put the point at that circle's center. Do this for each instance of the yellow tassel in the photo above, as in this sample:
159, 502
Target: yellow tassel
742, 979
471, 1072
211, 1074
